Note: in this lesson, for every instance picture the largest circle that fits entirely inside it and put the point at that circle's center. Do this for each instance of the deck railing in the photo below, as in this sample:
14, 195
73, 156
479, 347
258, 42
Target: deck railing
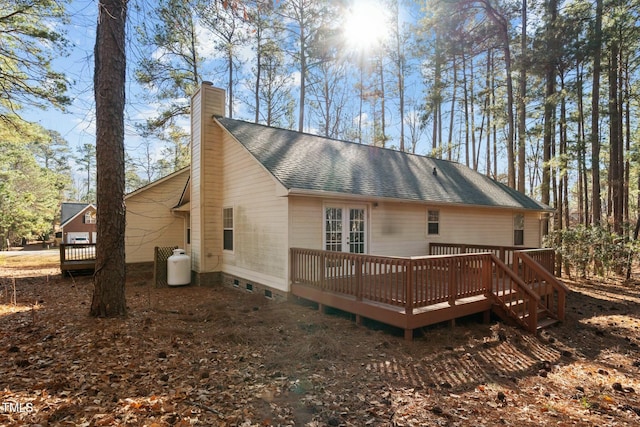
77, 256
405, 282
77, 252
503, 253
412, 283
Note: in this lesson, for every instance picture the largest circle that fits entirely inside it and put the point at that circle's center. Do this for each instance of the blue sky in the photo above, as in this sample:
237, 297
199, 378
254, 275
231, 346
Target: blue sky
77, 123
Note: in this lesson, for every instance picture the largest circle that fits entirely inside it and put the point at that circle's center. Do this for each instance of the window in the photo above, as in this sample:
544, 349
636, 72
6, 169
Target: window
90, 218
433, 222
518, 229
227, 226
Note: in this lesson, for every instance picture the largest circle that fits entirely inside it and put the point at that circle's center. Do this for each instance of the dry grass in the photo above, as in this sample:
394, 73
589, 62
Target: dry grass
27, 261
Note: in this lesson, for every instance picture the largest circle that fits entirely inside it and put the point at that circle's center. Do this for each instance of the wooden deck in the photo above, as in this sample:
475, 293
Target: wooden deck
77, 257
413, 292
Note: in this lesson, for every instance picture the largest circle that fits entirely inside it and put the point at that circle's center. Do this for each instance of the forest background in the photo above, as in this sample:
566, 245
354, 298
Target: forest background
540, 95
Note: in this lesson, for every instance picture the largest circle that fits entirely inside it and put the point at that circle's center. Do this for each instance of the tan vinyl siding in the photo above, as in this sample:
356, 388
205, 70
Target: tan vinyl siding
150, 222
398, 229
306, 222
196, 218
484, 226
206, 153
260, 221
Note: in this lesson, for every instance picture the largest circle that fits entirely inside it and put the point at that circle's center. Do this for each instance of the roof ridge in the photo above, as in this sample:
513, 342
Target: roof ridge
392, 150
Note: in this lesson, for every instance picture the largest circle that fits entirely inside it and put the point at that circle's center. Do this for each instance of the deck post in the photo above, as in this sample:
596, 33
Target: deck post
408, 334
323, 270
62, 253
561, 305
359, 276
487, 275
453, 291
408, 285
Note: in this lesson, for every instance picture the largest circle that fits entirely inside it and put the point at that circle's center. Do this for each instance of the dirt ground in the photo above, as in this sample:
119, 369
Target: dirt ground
224, 357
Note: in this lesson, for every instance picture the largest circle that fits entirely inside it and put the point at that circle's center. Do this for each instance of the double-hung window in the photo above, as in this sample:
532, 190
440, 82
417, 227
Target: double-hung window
518, 229
227, 227
433, 222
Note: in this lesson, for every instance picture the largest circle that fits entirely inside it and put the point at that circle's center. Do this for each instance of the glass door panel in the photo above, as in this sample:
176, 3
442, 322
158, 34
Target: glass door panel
356, 231
333, 229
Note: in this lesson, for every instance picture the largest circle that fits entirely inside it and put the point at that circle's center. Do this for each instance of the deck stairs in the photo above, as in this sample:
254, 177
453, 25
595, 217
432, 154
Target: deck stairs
528, 295
516, 313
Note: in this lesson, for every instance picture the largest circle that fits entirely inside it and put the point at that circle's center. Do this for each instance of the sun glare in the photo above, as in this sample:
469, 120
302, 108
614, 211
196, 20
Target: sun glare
365, 25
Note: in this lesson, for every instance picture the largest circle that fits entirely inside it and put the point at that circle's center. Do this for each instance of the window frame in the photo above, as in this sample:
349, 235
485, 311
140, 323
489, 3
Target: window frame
90, 217
518, 229
228, 230
431, 222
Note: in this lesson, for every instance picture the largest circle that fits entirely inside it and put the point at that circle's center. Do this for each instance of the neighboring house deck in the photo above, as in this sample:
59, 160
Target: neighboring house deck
77, 257
413, 292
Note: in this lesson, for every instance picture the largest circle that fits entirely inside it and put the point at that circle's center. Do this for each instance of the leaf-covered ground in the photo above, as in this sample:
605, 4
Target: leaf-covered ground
222, 357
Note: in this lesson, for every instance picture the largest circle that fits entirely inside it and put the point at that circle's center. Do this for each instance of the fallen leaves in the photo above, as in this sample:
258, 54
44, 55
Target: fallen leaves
220, 357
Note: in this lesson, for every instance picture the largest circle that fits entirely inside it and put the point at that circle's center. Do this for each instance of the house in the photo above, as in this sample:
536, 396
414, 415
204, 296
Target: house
254, 192
154, 217
78, 222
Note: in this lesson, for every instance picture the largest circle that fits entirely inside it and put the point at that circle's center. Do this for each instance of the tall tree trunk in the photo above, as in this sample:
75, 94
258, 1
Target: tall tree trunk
615, 143
452, 109
467, 130
303, 70
472, 108
627, 126
580, 151
109, 90
522, 114
256, 88
494, 128
437, 96
383, 115
503, 29
595, 117
230, 89
549, 107
400, 69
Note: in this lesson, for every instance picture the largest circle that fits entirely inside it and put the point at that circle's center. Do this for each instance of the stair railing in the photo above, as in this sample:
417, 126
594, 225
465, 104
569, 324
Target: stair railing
552, 291
511, 293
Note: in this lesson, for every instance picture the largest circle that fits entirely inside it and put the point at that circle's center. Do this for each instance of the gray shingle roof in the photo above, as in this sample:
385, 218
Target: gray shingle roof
71, 209
312, 163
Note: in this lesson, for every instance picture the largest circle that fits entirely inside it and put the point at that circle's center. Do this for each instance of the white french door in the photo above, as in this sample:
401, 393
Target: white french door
345, 229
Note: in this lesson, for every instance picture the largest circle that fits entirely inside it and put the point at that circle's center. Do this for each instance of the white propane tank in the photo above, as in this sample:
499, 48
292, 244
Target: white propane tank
178, 268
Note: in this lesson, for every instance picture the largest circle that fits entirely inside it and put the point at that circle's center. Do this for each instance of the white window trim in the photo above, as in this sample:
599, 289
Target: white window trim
233, 229
428, 222
89, 218
524, 220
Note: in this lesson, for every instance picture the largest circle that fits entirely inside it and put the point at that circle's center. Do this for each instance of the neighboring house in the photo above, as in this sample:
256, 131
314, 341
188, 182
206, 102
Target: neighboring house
254, 192
78, 221
153, 218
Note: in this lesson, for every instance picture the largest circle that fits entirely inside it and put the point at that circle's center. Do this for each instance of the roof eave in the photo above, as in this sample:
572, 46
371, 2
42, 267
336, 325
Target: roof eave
368, 198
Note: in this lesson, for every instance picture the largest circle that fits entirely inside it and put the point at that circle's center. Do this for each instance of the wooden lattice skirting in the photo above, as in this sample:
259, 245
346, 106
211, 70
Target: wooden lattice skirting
160, 257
